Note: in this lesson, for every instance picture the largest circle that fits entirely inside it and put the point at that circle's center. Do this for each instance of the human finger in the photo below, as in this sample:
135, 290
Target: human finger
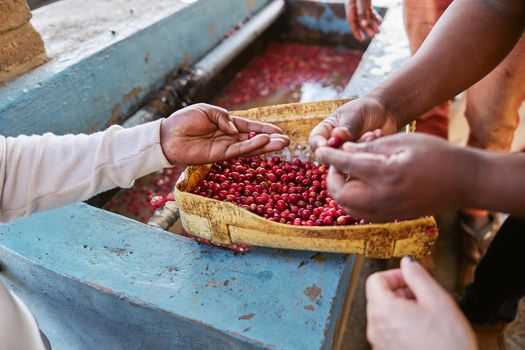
405, 293
375, 20
378, 144
371, 135
247, 125
381, 285
242, 148
321, 133
351, 121
426, 290
357, 197
218, 116
246, 136
363, 12
225, 123
276, 144
367, 22
364, 166
353, 20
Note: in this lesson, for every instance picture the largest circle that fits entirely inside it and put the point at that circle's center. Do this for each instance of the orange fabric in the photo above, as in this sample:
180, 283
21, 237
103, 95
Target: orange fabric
435, 121
492, 104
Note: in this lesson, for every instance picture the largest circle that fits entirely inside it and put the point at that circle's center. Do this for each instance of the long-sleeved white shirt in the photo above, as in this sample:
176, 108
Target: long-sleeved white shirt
49, 171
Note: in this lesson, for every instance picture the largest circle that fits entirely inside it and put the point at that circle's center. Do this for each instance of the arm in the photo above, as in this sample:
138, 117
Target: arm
48, 171
469, 40
499, 184
409, 175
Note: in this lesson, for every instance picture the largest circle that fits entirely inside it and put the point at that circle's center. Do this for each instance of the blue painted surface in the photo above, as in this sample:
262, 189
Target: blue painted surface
328, 22
83, 96
98, 280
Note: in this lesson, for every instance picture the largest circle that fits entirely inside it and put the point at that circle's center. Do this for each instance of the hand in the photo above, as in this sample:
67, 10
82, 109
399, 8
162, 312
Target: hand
352, 120
202, 134
361, 17
400, 177
407, 309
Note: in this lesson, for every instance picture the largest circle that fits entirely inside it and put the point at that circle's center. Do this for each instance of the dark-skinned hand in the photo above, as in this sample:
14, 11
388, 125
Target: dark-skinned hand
202, 134
362, 18
353, 121
402, 176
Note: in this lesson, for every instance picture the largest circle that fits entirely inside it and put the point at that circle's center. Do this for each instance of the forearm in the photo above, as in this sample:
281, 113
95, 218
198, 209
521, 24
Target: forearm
498, 182
470, 39
48, 171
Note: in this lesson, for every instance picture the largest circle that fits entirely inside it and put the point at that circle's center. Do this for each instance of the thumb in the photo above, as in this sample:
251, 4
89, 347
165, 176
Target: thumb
225, 123
352, 121
362, 165
426, 290
361, 115
220, 117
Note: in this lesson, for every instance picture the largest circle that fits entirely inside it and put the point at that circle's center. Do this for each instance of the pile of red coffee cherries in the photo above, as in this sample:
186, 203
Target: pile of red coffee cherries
147, 195
290, 192
285, 67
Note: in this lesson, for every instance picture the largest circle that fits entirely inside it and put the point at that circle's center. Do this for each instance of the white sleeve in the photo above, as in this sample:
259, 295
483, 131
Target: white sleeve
18, 328
49, 171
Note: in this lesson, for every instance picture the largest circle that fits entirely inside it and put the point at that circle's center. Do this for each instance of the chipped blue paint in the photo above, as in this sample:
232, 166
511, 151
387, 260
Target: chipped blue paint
83, 95
96, 280
328, 22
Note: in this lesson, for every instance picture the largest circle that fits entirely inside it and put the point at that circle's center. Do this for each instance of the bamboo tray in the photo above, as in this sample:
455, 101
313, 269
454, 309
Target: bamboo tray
226, 223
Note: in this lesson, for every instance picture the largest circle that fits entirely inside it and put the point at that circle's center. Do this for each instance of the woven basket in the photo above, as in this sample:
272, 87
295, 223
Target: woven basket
226, 223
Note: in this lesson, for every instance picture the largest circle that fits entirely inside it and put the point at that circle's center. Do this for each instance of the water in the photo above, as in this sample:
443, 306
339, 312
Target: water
290, 72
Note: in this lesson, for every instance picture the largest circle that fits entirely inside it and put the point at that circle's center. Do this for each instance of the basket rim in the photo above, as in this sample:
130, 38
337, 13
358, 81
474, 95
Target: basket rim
428, 221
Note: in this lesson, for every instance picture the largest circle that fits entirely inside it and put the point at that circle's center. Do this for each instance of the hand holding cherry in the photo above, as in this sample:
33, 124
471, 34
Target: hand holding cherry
202, 133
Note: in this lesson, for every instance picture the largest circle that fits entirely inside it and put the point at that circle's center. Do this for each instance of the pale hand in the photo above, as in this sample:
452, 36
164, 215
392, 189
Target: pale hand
202, 134
407, 309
